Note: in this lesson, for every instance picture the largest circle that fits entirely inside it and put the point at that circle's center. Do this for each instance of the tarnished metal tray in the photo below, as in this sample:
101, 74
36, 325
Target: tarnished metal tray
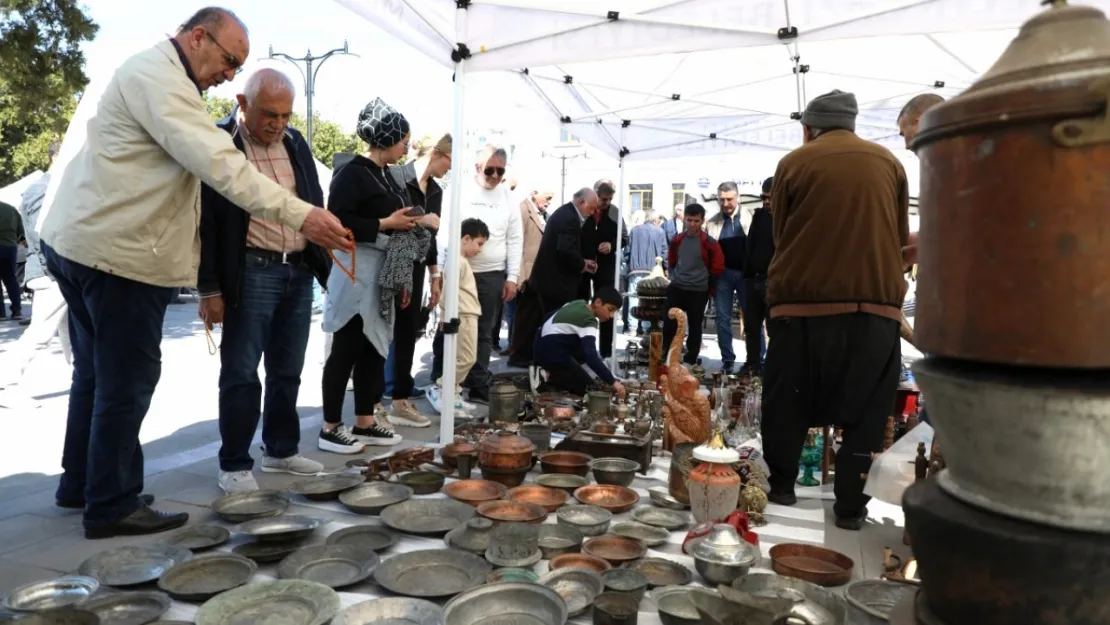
286, 601
391, 611
131, 566
669, 520
280, 529
336, 566
200, 537
128, 608
661, 497
60, 616
556, 539
369, 536
326, 487
515, 603
374, 497
263, 553
432, 572
51, 594
647, 534
661, 572
577, 587
427, 517
204, 577
241, 507
878, 597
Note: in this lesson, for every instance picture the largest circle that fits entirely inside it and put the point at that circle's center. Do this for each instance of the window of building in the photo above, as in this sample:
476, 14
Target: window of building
678, 192
639, 196
565, 136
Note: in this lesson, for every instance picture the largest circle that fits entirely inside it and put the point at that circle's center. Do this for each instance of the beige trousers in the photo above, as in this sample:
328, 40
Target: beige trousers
467, 342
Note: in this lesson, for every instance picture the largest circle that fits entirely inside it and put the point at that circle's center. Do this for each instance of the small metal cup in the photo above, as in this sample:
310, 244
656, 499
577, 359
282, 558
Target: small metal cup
465, 463
611, 608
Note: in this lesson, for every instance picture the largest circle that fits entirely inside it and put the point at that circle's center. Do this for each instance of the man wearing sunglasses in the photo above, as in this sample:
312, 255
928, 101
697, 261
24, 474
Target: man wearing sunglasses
120, 235
496, 267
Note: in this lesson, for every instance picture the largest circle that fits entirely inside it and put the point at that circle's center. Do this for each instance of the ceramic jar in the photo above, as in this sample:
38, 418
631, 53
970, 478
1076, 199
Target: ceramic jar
714, 487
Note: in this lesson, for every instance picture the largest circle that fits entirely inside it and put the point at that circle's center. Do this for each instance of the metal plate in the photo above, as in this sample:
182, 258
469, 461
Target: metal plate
284, 602
372, 498
650, 536
670, 520
507, 603
61, 616
427, 517
391, 611
577, 587
280, 529
200, 537
202, 578
662, 572
336, 566
432, 572
369, 536
326, 487
51, 594
878, 597
128, 608
131, 566
240, 507
263, 553
661, 497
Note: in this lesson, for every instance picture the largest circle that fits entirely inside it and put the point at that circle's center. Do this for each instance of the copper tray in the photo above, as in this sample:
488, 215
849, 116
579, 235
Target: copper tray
580, 561
550, 499
573, 462
475, 492
818, 565
505, 511
615, 499
614, 549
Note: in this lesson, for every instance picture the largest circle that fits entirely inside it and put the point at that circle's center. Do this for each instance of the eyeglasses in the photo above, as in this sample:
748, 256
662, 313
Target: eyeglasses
491, 171
229, 58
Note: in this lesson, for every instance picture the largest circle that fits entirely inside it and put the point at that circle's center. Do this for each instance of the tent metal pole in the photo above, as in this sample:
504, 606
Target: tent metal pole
429, 20
619, 251
454, 228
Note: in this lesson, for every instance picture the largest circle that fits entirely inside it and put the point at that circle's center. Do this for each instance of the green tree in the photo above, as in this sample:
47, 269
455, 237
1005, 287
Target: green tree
328, 138
42, 73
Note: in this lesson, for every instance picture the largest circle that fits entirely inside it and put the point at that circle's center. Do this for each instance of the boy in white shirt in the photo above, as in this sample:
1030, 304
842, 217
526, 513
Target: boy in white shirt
475, 233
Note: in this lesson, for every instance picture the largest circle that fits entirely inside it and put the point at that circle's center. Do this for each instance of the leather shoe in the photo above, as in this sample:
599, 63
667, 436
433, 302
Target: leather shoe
145, 520
782, 498
79, 504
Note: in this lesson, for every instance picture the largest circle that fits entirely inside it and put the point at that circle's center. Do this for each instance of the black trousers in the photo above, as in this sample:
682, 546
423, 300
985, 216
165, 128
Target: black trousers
567, 374
694, 303
532, 309
351, 352
837, 370
589, 285
406, 330
755, 313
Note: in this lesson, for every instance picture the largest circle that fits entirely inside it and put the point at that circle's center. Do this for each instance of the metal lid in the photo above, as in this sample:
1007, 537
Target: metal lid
723, 545
505, 442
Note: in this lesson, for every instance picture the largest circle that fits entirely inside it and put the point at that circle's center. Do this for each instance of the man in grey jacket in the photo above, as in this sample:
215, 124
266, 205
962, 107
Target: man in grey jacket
120, 236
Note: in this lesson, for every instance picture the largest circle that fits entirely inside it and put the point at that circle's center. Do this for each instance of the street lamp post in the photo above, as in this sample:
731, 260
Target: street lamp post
312, 65
564, 156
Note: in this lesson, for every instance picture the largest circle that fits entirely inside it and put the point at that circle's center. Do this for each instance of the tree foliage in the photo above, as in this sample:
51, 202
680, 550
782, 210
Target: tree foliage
42, 72
328, 138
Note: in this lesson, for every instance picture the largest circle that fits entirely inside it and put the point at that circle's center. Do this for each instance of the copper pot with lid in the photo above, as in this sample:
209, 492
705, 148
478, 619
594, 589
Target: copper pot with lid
505, 450
452, 451
1013, 247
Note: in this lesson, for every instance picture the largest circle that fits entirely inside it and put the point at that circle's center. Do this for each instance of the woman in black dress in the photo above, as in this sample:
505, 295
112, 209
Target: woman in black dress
366, 199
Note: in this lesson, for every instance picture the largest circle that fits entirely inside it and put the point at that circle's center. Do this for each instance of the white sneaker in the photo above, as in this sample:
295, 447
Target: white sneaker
405, 413
339, 441
295, 465
232, 482
435, 397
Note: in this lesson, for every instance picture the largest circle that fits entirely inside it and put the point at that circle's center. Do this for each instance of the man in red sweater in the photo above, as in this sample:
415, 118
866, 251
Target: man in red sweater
694, 263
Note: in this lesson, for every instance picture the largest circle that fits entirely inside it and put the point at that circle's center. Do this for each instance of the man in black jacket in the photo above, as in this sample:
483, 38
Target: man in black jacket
599, 243
757, 258
557, 272
256, 278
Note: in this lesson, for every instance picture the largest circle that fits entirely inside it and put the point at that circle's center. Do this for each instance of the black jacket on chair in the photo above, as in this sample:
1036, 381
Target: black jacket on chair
223, 225
559, 261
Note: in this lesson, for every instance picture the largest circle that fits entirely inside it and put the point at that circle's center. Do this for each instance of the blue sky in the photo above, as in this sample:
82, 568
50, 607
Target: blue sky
386, 67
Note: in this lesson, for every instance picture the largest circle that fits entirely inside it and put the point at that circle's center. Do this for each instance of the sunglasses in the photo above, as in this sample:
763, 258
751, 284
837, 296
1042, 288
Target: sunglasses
229, 58
491, 171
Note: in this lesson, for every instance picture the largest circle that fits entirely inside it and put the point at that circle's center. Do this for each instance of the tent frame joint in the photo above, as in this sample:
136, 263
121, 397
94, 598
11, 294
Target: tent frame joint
801, 69
460, 53
451, 327
796, 116
462, 4
938, 84
625, 152
787, 33
625, 123
613, 16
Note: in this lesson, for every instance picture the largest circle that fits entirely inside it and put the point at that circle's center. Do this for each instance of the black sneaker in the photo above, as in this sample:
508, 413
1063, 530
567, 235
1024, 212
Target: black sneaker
852, 523
340, 440
726, 368
479, 396
782, 498
17, 316
375, 435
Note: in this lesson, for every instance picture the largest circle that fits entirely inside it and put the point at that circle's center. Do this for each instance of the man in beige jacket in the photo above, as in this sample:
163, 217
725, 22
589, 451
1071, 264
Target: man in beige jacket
120, 236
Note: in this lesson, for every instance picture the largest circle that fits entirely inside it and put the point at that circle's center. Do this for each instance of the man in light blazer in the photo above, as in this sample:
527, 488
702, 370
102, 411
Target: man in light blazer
533, 217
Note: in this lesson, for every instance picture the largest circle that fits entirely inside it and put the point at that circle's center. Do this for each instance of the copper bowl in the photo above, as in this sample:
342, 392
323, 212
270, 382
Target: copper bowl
559, 412
810, 563
505, 511
510, 478
613, 549
474, 492
572, 462
551, 499
615, 499
580, 561
605, 428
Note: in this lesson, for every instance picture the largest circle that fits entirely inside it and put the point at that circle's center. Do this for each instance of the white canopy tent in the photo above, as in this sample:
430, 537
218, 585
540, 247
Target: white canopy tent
725, 75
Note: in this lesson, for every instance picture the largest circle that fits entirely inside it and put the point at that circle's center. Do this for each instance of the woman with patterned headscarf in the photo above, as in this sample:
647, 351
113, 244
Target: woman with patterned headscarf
373, 207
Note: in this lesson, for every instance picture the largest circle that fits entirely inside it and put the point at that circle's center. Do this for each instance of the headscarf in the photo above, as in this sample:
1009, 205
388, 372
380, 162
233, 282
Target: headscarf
381, 126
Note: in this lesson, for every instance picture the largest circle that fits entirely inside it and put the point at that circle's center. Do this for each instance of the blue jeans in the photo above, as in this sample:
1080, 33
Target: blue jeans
633, 301
271, 320
389, 372
730, 287
116, 334
510, 316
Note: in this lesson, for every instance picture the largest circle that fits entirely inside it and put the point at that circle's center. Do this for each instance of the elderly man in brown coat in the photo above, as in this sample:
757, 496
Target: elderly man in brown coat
533, 217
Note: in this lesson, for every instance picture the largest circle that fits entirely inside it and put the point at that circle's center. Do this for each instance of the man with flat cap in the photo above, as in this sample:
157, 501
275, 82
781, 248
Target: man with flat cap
834, 289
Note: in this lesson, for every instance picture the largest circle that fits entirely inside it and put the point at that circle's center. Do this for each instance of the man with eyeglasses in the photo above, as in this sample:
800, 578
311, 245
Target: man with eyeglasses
496, 267
120, 236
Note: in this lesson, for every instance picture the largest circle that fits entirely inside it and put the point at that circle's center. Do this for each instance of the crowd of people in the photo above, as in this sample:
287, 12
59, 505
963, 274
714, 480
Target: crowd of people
156, 197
